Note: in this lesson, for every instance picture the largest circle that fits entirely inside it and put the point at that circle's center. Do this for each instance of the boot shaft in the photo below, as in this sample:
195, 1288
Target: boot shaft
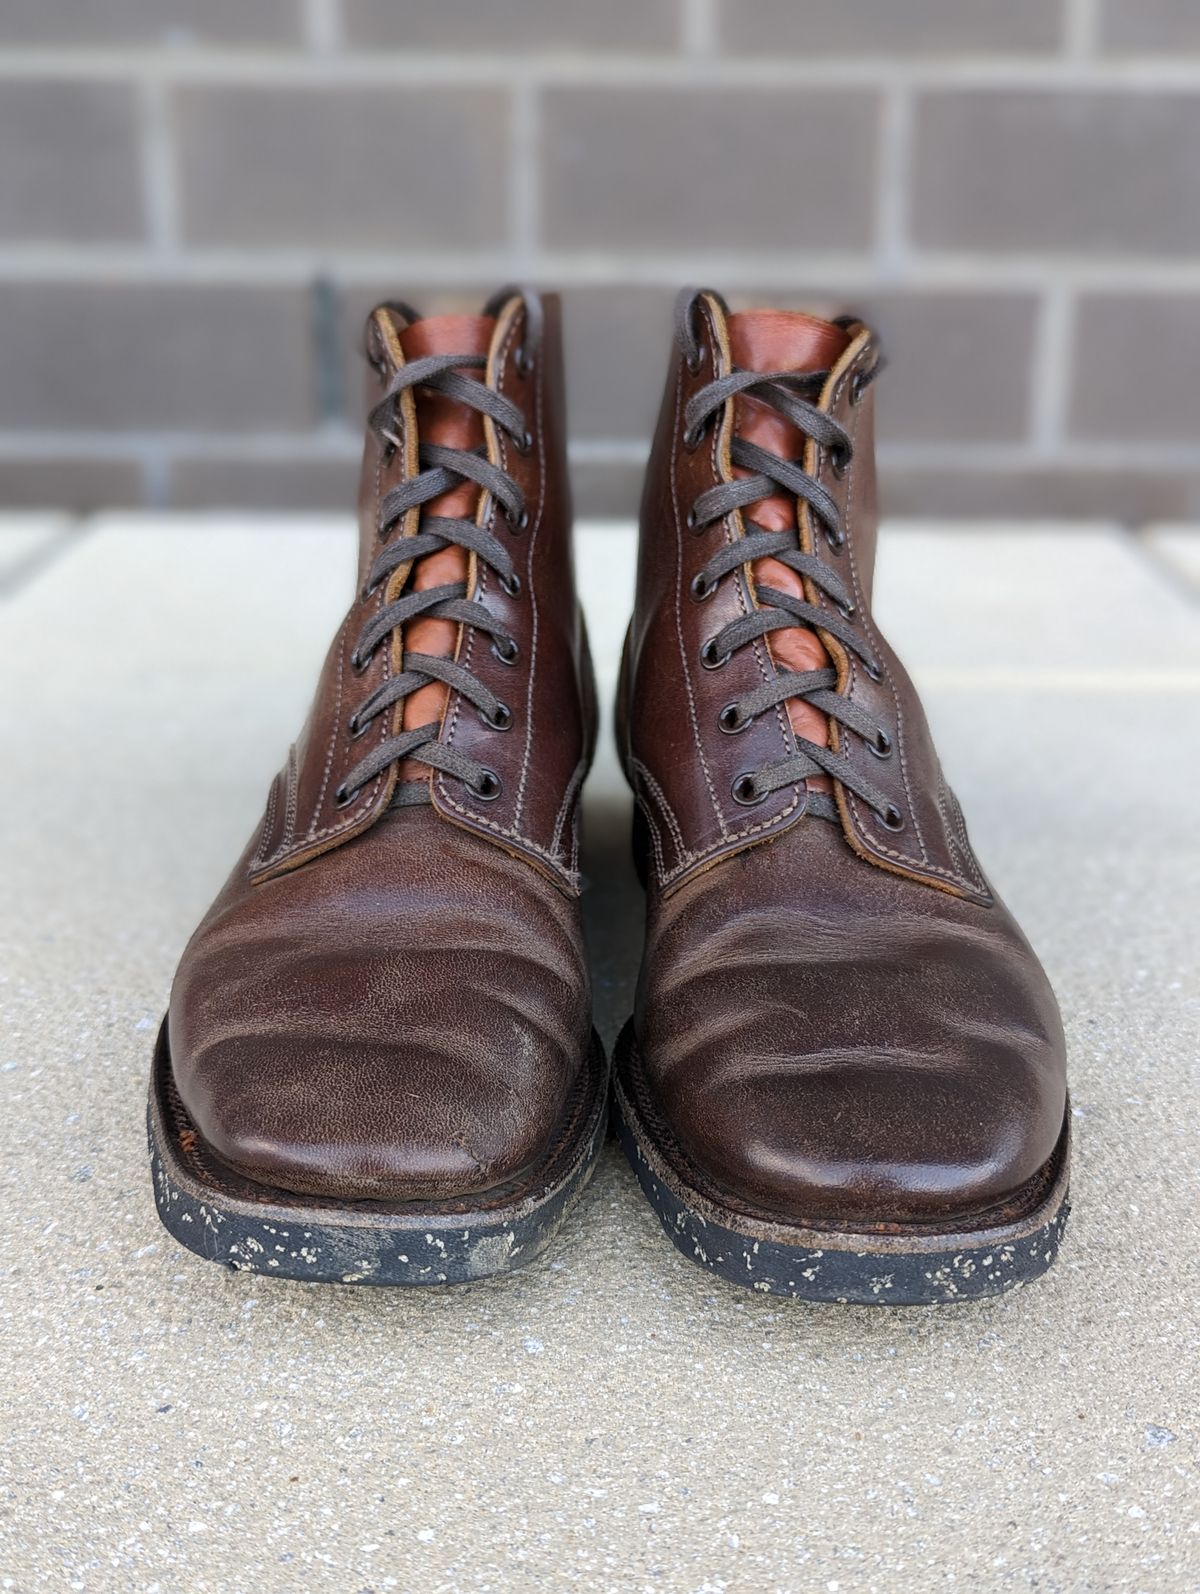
695, 759
511, 706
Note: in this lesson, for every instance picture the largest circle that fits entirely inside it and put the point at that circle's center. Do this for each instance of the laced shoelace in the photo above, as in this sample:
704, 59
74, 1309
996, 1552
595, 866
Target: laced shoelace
789, 393
441, 470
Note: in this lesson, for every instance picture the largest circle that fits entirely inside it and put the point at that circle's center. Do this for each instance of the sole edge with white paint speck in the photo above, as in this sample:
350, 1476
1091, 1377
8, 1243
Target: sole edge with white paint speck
279, 1236
914, 1268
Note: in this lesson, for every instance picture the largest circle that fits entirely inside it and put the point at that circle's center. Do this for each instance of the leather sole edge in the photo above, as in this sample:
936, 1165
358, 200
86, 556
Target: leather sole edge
900, 1268
348, 1243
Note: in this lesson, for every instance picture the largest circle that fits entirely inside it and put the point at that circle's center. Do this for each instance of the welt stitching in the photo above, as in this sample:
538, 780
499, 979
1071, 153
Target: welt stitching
683, 658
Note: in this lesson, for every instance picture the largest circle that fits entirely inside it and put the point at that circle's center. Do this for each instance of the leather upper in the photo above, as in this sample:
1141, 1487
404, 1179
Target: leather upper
837, 1023
402, 1018
832, 1043
393, 1002
682, 765
537, 808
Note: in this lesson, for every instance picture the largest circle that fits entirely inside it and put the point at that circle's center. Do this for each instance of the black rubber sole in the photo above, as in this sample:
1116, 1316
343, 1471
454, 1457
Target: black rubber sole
253, 1228
903, 1267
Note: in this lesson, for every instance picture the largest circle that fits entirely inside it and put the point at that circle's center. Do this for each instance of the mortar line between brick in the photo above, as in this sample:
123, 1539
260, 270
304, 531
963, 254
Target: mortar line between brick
343, 441
852, 272
699, 29
1053, 362
1150, 74
524, 194
322, 26
894, 159
159, 189
1079, 29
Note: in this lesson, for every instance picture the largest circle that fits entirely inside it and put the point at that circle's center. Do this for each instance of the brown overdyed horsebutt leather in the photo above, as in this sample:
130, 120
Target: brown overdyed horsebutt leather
838, 1024
389, 999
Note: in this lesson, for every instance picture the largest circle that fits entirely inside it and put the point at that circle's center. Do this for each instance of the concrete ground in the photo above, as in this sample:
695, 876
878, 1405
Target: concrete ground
611, 1419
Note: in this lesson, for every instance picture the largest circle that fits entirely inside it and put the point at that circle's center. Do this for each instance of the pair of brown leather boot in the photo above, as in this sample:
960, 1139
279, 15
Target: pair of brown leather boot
845, 1076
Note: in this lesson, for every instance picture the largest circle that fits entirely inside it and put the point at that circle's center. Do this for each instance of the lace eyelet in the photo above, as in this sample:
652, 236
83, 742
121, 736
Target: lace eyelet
701, 588
692, 522
524, 362
891, 819
506, 650
343, 798
835, 539
511, 585
488, 787
693, 438
858, 387
839, 461
501, 720
732, 721
710, 658
872, 670
520, 522
745, 791
524, 443
357, 727
846, 610
696, 360
359, 664
880, 744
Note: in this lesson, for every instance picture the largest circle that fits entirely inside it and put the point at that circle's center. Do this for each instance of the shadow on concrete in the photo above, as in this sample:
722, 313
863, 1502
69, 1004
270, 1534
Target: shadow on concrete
613, 909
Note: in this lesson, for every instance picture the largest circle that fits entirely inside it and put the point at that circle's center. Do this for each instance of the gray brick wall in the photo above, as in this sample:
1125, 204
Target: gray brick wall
200, 198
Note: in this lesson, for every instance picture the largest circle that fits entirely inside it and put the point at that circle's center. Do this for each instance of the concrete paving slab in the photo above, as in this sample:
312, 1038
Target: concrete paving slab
612, 1419
1178, 547
26, 540
1008, 603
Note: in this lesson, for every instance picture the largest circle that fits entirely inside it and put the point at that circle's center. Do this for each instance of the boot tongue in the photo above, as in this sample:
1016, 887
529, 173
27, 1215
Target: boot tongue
441, 420
783, 340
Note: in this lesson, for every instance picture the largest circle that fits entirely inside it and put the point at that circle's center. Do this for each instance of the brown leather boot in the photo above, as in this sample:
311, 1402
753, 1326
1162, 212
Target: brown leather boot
378, 1064
845, 1078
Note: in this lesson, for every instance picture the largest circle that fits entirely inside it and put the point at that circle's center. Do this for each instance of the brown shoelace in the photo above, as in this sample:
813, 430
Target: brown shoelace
790, 394
441, 470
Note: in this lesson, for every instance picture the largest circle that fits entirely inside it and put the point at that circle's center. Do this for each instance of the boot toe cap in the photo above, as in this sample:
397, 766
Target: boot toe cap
862, 1140
374, 1120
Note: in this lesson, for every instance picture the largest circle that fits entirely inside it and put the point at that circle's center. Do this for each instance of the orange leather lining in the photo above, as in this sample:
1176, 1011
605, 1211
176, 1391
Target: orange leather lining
441, 420
783, 340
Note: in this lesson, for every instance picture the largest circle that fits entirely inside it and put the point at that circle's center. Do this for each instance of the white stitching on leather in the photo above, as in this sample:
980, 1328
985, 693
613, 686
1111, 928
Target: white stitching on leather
683, 658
